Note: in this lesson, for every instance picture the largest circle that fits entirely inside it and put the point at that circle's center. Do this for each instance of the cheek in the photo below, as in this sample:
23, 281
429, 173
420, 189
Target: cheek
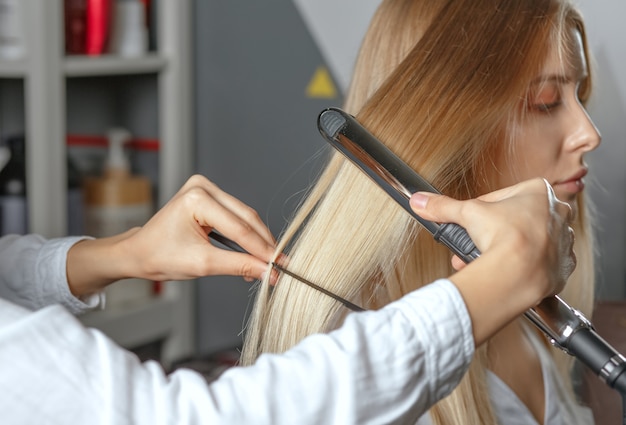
534, 153
504, 169
532, 161
525, 160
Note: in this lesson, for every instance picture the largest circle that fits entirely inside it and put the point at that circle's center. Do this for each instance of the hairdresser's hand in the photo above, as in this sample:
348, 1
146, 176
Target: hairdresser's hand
526, 243
174, 244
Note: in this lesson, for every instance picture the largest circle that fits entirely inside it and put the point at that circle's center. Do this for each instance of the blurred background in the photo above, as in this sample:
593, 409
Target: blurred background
162, 89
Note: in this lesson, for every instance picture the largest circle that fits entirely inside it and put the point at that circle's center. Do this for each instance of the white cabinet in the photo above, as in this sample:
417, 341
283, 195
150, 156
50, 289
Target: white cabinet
45, 70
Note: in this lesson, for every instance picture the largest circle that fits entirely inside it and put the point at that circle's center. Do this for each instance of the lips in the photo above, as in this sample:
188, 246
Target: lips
573, 184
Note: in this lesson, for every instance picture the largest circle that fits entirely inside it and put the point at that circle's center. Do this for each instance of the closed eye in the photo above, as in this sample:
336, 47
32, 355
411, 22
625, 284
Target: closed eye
545, 96
545, 107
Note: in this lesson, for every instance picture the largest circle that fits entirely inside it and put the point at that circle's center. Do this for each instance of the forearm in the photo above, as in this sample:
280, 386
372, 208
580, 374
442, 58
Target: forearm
92, 264
494, 299
174, 243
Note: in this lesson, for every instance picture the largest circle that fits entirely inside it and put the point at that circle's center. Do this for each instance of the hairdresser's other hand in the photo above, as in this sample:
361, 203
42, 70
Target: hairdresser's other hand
174, 243
524, 236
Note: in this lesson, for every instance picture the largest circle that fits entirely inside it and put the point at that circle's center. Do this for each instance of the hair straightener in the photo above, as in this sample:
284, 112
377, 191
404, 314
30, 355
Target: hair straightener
565, 327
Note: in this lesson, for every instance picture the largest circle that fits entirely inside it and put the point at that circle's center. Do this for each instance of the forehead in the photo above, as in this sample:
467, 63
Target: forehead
567, 57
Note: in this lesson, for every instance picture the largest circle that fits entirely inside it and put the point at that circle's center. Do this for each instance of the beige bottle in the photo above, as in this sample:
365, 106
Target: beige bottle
114, 203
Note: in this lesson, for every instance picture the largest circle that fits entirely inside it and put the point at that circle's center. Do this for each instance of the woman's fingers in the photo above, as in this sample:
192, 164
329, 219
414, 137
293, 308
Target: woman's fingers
526, 219
244, 212
175, 244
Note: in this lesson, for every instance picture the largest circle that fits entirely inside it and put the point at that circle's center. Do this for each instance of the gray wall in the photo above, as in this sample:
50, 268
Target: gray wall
605, 29
256, 129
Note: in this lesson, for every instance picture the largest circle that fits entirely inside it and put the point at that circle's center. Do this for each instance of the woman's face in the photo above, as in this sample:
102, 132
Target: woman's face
555, 132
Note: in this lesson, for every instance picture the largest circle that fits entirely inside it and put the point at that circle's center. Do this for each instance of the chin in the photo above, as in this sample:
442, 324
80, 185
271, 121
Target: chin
570, 199
566, 196
574, 206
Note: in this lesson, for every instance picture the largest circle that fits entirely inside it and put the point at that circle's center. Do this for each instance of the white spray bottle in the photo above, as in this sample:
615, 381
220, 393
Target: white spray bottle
114, 203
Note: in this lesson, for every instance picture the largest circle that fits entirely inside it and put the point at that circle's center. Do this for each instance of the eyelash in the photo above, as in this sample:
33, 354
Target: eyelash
546, 107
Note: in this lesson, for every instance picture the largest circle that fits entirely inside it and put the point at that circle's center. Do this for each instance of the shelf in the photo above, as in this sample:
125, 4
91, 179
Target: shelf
86, 66
45, 72
12, 68
94, 66
136, 325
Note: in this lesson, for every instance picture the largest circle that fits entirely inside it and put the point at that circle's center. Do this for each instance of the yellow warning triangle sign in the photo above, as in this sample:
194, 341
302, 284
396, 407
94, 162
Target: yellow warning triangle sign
321, 85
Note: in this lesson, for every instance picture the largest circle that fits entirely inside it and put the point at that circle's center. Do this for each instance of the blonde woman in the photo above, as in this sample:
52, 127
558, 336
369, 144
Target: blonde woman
475, 95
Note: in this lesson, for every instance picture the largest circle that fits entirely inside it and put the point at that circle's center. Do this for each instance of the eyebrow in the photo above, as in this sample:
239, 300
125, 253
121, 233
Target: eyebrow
560, 79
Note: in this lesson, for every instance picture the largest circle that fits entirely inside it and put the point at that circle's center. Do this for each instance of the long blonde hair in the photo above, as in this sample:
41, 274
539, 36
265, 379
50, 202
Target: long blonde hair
440, 83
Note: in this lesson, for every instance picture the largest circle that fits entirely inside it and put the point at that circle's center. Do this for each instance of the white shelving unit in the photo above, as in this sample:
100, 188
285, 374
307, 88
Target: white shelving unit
81, 66
44, 71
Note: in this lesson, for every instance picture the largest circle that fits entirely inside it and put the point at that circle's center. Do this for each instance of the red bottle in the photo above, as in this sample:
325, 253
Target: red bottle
98, 22
75, 26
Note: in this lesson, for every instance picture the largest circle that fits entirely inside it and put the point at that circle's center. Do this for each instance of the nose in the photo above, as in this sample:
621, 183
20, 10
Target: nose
584, 136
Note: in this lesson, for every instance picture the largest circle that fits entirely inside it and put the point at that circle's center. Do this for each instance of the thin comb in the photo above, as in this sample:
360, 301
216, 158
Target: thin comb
233, 246
343, 301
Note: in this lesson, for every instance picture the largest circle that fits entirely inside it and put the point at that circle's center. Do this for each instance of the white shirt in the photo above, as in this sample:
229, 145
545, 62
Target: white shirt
381, 367
560, 408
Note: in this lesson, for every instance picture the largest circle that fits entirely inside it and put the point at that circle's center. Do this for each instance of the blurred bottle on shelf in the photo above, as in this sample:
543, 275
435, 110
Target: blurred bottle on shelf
87, 26
98, 21
13, 205
114, 203
12, 44
151, 19
75, 26
119, 27
75, 211
129, 34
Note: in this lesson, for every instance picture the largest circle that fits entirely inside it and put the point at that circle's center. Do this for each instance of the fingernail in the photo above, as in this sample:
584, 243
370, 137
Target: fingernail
273, 277
282, 260
419, 200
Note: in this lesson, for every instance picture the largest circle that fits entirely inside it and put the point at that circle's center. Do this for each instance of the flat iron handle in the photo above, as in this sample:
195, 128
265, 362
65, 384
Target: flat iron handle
456, 238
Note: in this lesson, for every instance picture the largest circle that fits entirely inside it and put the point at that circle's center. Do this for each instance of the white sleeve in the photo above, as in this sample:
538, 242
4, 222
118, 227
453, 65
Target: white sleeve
33, 273
380, 367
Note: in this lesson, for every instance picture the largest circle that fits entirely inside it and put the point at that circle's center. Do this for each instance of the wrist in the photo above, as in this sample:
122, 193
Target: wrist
93, 264
495, 299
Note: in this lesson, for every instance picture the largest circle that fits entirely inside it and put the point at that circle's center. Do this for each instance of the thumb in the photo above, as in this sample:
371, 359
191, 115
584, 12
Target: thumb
435, 207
